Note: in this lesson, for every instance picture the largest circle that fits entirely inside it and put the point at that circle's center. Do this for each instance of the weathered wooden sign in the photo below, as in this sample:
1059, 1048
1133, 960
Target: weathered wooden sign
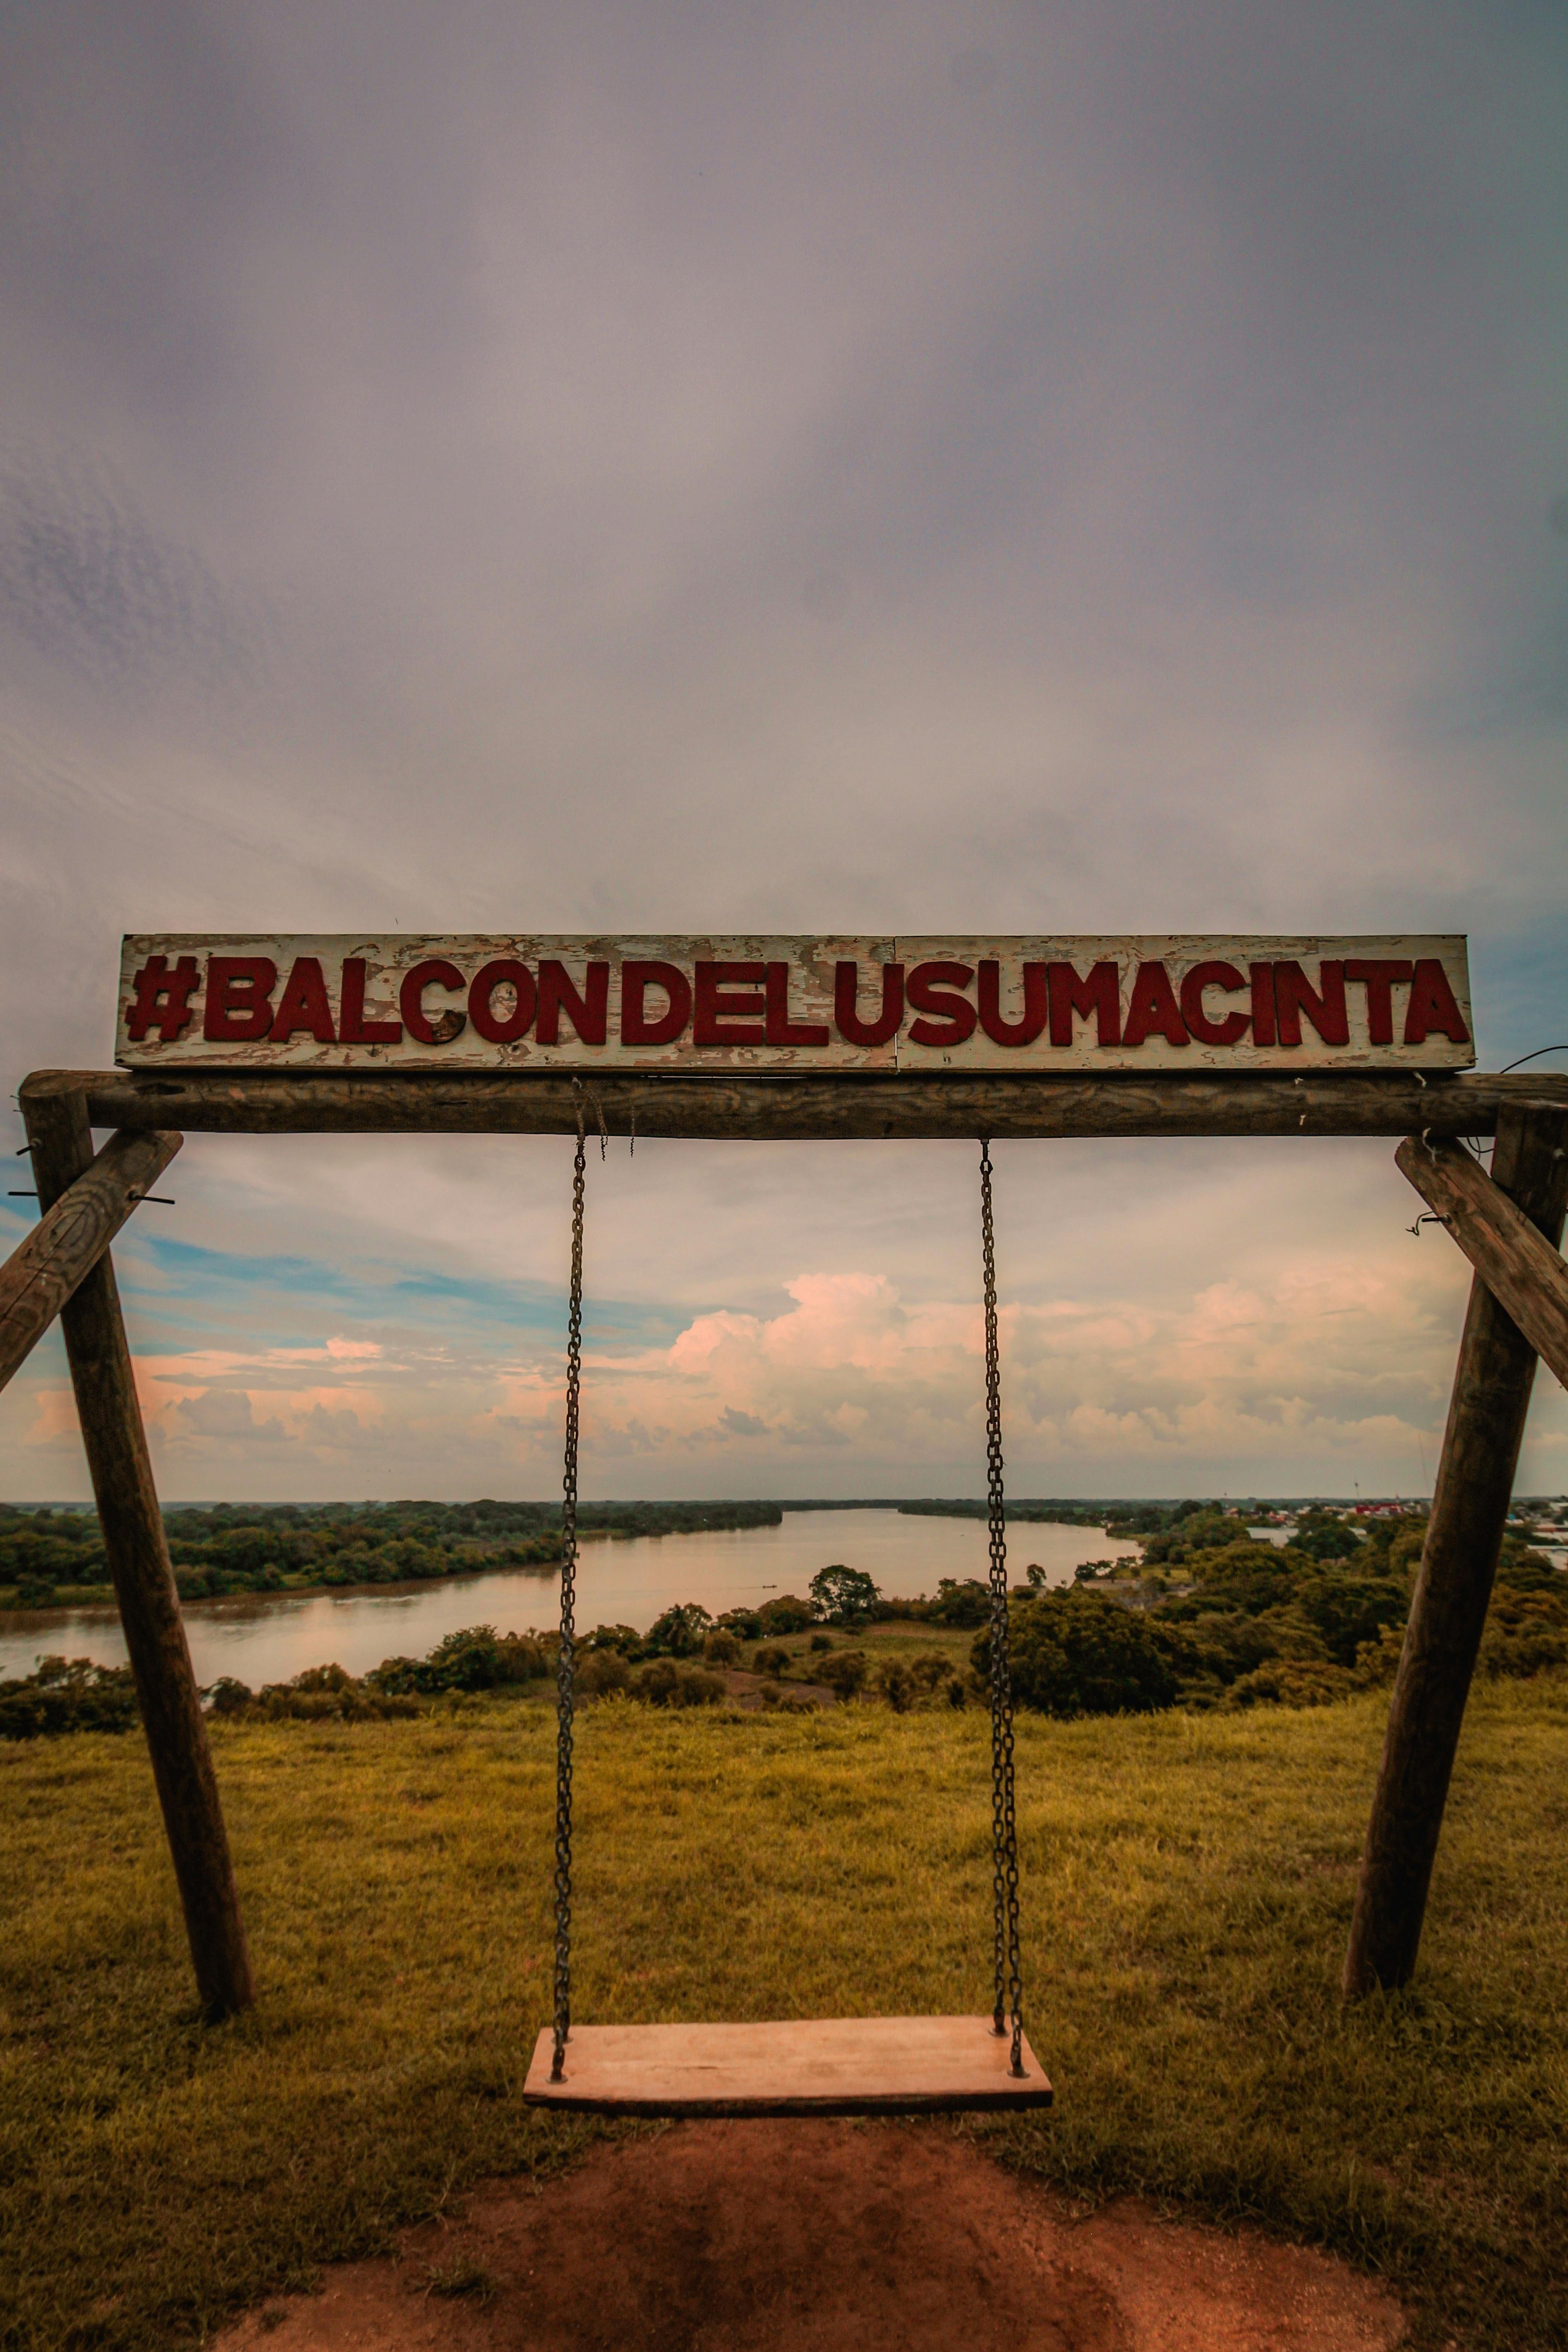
464, 1002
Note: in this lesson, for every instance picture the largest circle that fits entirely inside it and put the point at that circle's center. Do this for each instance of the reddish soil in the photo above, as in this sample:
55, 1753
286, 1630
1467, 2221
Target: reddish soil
821, 2237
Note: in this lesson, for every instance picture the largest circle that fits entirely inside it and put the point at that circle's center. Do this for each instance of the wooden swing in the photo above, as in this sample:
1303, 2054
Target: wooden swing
821, 2066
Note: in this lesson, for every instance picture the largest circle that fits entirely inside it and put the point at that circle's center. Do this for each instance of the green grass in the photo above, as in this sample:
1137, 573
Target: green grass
1187, 1890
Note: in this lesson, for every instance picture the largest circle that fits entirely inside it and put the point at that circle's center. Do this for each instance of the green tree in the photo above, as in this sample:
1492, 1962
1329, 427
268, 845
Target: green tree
843, 1594
1076, 1653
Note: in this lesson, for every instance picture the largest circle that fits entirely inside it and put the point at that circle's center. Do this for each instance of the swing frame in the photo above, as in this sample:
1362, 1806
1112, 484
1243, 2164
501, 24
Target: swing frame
1509, 1224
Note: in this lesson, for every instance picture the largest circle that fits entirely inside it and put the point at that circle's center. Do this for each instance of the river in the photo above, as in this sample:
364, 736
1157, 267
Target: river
259, 1638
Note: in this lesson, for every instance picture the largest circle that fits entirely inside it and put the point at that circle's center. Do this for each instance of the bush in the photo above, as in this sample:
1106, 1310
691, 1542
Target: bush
681, 1631
1075, 1652
897, 1685
229, 1696
965, 1603
67, 1694
769, 1661
844, 1673
722, 1649
820, 1642
664, 1684
477, 1658
602, 1671
788, 1614
955, 1694
930, 1670
1291, 1681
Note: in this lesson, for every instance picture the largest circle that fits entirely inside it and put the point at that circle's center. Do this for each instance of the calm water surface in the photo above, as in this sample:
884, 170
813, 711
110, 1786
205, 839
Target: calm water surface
261, 1640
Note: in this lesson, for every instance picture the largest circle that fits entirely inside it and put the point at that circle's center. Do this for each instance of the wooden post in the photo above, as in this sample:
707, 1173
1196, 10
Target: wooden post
1464, 1537
138, 1557
69, 1238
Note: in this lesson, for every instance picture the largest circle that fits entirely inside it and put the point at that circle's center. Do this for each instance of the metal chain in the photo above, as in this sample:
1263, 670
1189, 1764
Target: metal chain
564, 1662
1004, 1815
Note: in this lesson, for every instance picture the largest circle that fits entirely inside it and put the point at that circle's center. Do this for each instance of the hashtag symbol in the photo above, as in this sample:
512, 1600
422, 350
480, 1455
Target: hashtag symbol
163, 998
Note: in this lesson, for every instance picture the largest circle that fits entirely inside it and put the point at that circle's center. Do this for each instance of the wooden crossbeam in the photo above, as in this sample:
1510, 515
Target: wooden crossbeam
71, 1238
1518, 1264
677, 1103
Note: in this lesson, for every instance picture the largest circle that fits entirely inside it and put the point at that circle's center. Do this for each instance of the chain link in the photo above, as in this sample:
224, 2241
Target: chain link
564, 1692
1004, 1815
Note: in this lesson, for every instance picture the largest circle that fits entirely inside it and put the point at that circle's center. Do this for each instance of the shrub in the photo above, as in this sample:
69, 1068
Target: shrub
477, 1658
1291, 1681
931, 1669
229, 1696
662, 1683
965, 1603
602, 1671
955, 1694
1076, 1653
788, 1614
769, 1660
67, 1694
820, 1642
681, 1630
844, 1673
722, 1649
897, 1685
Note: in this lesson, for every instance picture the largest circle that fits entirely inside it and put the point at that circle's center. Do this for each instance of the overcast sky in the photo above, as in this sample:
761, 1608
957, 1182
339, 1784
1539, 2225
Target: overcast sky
1036, 467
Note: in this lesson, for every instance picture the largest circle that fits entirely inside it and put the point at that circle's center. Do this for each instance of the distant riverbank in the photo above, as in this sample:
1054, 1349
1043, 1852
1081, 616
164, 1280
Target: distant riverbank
267, 1637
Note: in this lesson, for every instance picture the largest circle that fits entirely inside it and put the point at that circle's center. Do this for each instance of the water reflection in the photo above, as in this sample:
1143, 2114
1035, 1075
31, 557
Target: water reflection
262, 1638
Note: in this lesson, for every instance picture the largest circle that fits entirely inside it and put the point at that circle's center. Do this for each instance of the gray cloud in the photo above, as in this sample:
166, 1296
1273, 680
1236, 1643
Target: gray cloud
1009, 467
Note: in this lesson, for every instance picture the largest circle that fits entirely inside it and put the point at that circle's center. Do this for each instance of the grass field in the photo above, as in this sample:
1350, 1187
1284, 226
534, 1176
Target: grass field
1188, 1884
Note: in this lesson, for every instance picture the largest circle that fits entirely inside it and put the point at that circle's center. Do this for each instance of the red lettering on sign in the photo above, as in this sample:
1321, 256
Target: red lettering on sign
728, 995
1152, 1009
1101, 994
780, 1029
1294, 994
589, 1015
1262, 977
239, 999
636, 1028
162, 999
1378, 978
1432, 1005
1233, 1028
434, 972
353, 1029
1023, 1032
930, 992
846, 1005
303, 1005
502, 1028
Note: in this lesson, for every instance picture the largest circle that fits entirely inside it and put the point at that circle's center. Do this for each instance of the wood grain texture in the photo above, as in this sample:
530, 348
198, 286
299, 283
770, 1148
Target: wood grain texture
1471, 1503
1518, 1265
69, 1238
853, 1105
826, 2067
138, 1557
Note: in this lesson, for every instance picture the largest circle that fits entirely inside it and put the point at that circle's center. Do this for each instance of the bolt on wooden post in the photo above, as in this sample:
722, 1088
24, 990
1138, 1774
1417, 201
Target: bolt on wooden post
1470, 1505
138, 1556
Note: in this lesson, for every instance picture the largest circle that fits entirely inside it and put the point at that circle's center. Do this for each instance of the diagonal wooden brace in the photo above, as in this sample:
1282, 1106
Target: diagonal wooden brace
1470, 1501
1517, 1263
138, 1556
69, 1238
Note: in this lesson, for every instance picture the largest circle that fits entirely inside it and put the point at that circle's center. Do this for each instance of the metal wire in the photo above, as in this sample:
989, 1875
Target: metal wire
1003, 1813
564, 1691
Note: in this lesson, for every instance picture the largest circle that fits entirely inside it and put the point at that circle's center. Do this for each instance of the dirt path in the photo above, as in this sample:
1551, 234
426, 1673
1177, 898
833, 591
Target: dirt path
821, 2237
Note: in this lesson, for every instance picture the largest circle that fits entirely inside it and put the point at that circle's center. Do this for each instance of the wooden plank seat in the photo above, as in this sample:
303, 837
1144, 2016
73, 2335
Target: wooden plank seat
826, 2067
